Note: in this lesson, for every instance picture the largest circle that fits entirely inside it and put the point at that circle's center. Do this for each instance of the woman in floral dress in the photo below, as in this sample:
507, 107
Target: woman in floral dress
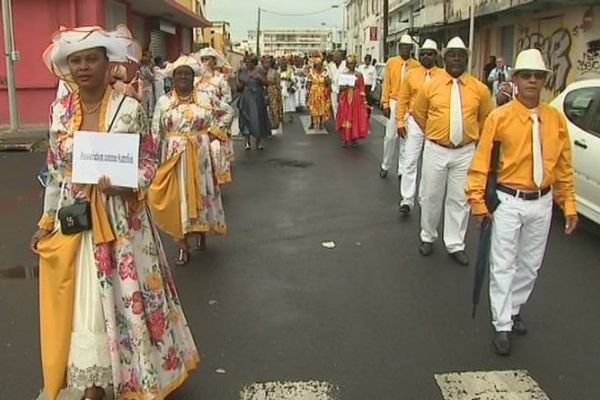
185, 198
110, 318
275, 105
319, 101
214, 82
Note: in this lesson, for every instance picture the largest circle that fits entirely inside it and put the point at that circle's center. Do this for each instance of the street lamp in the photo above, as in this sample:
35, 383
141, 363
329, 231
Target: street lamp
11, 56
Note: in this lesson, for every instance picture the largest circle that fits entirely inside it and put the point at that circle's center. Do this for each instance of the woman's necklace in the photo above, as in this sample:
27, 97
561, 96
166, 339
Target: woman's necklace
92, 110
186, 99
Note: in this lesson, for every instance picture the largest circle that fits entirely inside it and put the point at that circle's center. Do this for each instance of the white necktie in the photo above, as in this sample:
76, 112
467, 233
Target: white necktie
538, 163
404, 68
456, 123
428, 76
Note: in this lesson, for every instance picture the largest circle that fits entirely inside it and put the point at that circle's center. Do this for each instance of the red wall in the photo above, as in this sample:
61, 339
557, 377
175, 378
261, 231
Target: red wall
34, 22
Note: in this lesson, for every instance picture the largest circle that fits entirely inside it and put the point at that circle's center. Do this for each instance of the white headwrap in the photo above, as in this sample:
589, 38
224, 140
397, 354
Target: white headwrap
119, 44
183, 61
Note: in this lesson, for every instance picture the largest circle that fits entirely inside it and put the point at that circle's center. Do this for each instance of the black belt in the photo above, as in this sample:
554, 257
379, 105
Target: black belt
450, 145
525, 195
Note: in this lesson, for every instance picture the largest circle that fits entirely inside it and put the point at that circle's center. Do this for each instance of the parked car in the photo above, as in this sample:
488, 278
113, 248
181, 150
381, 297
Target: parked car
376, 93
580, 103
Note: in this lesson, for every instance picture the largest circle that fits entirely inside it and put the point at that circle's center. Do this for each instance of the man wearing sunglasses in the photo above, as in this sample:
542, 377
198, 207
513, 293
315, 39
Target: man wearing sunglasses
534, 167
407, 127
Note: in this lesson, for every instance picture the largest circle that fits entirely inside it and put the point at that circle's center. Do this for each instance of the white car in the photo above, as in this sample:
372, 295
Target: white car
580, 103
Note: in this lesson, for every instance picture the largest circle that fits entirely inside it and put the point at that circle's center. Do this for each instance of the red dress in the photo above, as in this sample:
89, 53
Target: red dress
352, 121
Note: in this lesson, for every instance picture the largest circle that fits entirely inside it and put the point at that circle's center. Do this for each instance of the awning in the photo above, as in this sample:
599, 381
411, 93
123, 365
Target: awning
169, 10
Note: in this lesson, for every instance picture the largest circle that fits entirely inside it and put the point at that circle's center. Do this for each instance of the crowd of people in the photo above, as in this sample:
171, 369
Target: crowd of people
110, 317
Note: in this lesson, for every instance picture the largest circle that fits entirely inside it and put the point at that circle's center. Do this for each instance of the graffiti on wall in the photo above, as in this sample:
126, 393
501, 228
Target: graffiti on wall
589, 62
556, 49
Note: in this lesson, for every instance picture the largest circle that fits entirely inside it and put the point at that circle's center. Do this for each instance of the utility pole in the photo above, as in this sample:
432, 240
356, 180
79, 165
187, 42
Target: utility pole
386, 11
11, 56
471, 33
258, 35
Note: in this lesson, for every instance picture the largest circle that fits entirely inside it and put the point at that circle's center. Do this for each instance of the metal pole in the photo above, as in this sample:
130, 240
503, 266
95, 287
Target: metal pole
471, 33
10, 55
258, 35
386, 11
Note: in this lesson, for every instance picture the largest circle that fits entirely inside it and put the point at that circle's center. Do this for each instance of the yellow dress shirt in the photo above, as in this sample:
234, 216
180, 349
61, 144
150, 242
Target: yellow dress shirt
393, 78
431, 107
511, 125
410, 87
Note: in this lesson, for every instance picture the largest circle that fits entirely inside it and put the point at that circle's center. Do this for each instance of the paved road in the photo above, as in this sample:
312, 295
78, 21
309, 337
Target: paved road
370, 318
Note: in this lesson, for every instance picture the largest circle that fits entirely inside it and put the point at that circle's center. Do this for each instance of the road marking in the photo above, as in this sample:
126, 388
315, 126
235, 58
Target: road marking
310, 390
492, 385
305, 120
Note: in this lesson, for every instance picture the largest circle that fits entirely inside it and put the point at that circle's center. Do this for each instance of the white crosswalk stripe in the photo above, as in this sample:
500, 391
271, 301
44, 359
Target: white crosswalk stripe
305, 120
310, 390
491, 385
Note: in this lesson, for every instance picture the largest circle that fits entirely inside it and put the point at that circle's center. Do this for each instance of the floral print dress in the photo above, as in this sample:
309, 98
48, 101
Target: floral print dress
187, 129
215, 83
129, 335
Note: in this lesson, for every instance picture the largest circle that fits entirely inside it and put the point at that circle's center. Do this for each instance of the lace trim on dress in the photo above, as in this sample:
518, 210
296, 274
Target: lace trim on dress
89, 361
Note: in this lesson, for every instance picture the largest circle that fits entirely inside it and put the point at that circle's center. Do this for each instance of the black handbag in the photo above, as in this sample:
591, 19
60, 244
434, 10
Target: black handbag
75, 218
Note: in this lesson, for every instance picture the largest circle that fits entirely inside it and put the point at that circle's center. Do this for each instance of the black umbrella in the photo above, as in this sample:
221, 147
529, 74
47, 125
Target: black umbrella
485, 237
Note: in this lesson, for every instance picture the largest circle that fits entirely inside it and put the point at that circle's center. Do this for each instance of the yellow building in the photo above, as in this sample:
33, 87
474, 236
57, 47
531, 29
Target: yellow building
216, 36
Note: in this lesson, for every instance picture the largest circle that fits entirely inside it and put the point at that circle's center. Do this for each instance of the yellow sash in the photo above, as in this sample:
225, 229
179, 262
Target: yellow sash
58, 255
163, 195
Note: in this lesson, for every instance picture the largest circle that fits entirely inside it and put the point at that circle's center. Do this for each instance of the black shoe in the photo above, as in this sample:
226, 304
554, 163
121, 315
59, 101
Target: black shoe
426, 248
518, 325
404, 209
502, 343
382, 173
460, 257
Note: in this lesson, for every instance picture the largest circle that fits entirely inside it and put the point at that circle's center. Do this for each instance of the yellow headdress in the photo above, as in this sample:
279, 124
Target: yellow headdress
351, 58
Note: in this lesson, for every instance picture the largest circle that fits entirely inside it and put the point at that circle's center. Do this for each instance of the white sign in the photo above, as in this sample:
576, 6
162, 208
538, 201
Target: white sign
114, 155
347, 80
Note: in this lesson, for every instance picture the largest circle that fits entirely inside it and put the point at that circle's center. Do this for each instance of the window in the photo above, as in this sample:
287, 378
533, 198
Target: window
580, 105
507, 43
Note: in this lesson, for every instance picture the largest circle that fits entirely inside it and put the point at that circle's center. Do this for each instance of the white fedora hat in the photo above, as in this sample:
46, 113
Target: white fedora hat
406, 39
530, 59
119, 44
429, 44
456, 43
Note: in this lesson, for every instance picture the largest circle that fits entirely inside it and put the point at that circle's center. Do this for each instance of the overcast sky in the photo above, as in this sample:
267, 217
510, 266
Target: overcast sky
242, 14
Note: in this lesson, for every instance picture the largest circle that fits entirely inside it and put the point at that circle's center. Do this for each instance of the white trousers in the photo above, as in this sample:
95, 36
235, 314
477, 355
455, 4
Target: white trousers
519, 234
445, 172
334, 104
413, 149
392, 140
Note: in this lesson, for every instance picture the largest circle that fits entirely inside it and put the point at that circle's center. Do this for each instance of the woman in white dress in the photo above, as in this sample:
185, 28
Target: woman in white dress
288, 89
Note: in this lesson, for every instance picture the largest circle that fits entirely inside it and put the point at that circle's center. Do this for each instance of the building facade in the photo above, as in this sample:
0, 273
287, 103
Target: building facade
364, 28
282, 41
216, 36
566, 31
163, 26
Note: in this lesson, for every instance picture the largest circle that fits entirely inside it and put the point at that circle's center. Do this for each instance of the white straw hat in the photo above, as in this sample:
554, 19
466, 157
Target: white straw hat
430, 45
183, 61
210, 52
456, 43
406, 39
119, 44
530, 59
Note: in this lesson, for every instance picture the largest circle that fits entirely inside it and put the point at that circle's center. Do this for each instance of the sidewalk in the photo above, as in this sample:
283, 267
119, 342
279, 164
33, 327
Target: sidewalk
27, 138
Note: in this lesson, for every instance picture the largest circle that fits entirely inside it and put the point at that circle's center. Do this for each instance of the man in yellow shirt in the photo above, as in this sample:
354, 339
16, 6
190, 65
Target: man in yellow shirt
396, 69
534, 166
451, 110
407, 127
